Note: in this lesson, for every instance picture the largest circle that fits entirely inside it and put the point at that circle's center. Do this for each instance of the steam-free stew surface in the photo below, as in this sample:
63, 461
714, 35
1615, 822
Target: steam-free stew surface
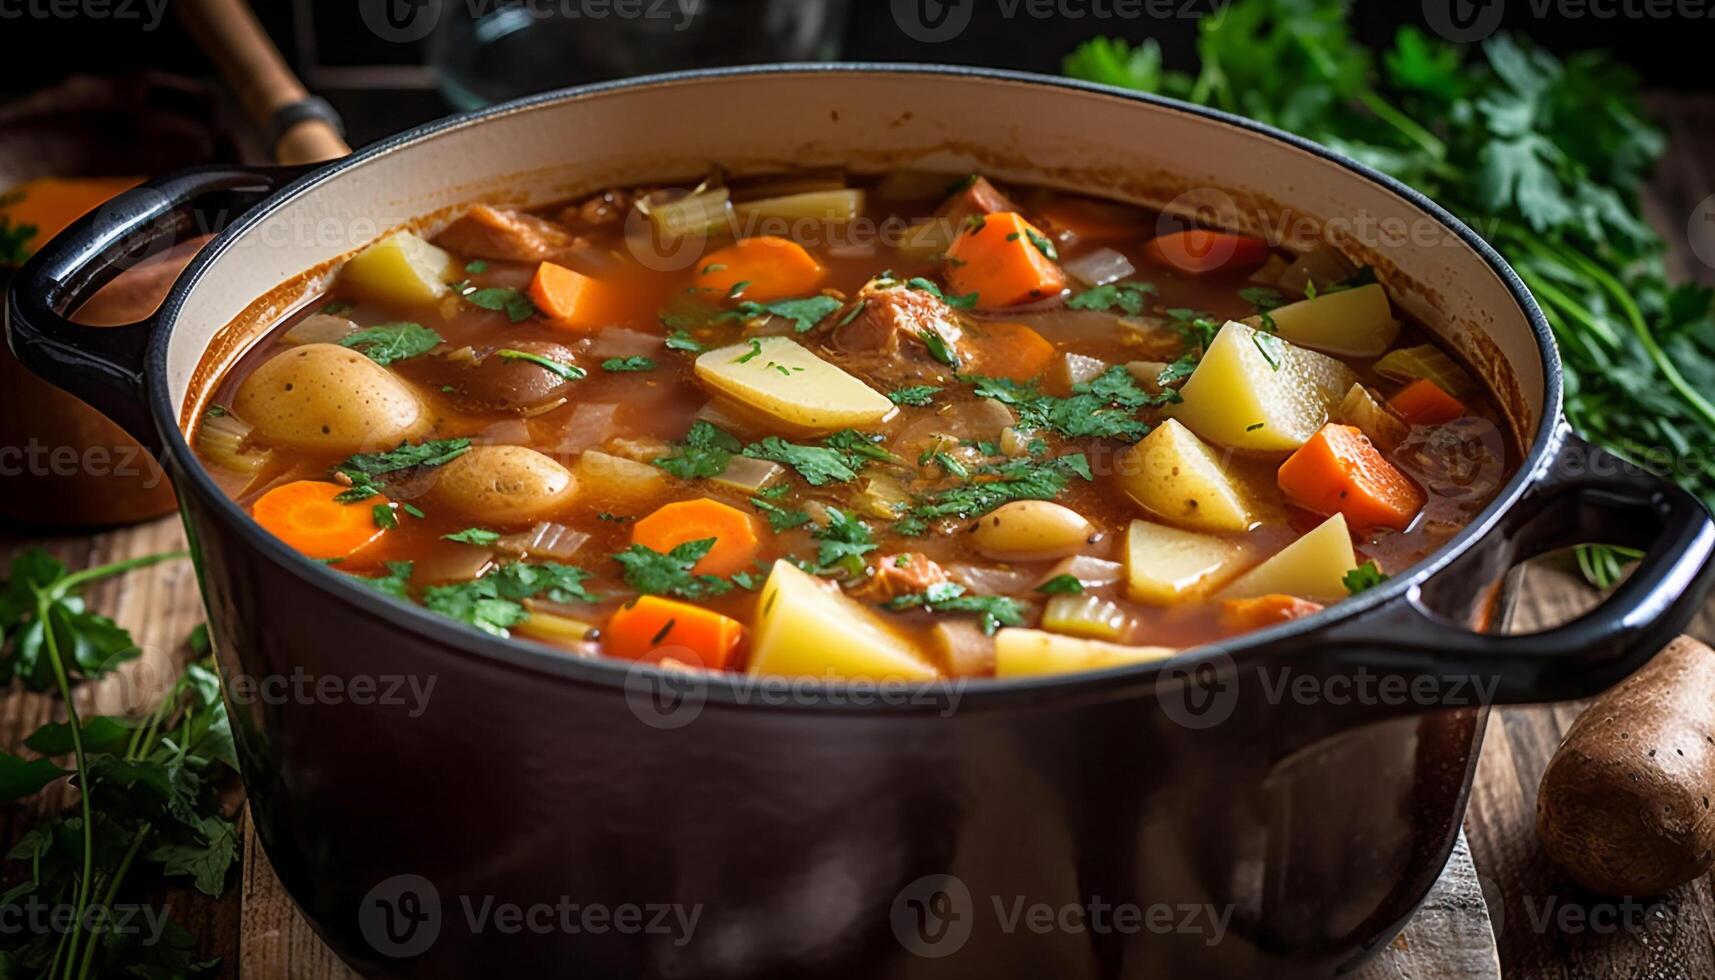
825, 427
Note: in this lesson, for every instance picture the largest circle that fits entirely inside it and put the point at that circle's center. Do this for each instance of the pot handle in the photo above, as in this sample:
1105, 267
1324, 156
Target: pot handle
104, 366
1586, 495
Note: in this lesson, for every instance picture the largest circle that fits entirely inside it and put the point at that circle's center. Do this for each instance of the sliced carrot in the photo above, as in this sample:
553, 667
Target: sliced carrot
1423, 402
571, 299
1339, 471
734, 532
1199, 251
1003, 259
306, 516
653, 629
1012, 350
1244, 615
761, 269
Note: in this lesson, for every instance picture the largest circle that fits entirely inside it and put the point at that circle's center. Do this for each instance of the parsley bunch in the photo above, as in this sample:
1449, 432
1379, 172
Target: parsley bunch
148, 788
1546, 158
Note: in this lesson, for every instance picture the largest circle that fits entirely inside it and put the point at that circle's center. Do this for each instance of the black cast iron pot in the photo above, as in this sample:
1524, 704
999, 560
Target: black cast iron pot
1275, 807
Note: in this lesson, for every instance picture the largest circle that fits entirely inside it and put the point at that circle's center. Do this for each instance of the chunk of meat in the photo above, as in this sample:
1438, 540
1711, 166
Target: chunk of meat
905, 574
486, 232
979, 197
598, 211
893, 320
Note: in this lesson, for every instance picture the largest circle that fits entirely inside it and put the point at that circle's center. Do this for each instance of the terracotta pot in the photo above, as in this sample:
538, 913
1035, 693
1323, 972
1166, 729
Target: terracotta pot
822, 830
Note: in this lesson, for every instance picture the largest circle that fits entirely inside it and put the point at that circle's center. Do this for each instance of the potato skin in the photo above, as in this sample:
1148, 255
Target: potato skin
328, 398
1625, 805
504, 485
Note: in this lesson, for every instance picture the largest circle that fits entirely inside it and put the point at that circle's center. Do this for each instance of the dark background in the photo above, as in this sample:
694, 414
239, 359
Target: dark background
36, 49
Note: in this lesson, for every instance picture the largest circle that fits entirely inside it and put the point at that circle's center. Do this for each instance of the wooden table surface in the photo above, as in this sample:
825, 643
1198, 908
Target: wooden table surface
1546, 928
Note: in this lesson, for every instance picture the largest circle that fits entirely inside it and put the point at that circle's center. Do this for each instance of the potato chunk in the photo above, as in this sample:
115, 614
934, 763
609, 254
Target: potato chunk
325, 398
1173, 475
1165, 565
616, 481
1351, 322
805, 628
1037, 653
784, 381
1313, 567
400, 268
1253, 391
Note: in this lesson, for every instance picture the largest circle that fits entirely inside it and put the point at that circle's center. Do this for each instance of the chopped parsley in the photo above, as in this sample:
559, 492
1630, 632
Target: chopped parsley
1043, 244
965, 302
916, 396
476, 267
938, 348
511, 302
779, 518
1022, 479
473, 535
384, 516
570, 372
1263, 298
947, 597
1062, 585
1364, 578
1105, 407
750, 355
804, 313
654, 573
706, 451
843, 543
624, 365
682, 340
494, 603
1131, 298
391, 342
1268, 345
394, 583
365, 469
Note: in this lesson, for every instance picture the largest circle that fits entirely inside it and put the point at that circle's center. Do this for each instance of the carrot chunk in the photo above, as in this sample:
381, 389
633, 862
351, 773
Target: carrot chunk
1199, 251
1423, 402
1244, 615
306, 516
653, 629
1004, 260
571, 299
734, 532
1012, 350
1339, 471
761, 269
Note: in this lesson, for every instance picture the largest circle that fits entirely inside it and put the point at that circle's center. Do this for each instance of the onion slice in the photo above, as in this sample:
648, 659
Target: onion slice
1100, 267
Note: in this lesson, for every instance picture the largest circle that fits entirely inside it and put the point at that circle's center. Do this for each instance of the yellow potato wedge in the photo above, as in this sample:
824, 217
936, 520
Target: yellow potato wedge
400, 268
1165, 565
1037, 653
806, 628
1253, 391
1354, 322
1313, 567
780, 379
1175, 476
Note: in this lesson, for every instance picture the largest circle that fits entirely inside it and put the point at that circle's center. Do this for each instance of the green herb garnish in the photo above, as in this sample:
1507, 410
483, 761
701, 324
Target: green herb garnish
391, 342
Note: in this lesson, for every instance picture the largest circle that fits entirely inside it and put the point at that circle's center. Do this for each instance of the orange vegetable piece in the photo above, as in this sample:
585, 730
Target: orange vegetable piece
1244, 615
653, 629
1199, 251
770, 268
306, 516
571, 299
1000, 261
734, 532
1423, 402
49, 204
1012, 350
1340, 471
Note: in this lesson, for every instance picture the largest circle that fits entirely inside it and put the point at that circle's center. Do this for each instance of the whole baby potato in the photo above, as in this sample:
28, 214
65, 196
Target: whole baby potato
504, 485
1025, 530
328, 398
1624, 806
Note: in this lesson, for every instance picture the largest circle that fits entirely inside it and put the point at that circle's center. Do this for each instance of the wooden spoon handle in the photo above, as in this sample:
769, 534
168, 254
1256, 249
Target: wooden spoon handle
246, 57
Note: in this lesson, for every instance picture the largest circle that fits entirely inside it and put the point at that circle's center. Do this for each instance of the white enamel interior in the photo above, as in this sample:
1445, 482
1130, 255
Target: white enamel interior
1011, 129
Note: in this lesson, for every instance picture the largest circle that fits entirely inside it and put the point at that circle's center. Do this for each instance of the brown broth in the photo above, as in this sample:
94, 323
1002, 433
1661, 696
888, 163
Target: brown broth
657, 407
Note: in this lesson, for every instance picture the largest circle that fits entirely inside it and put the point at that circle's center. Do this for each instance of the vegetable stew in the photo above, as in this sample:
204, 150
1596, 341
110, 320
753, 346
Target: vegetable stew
820, 426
